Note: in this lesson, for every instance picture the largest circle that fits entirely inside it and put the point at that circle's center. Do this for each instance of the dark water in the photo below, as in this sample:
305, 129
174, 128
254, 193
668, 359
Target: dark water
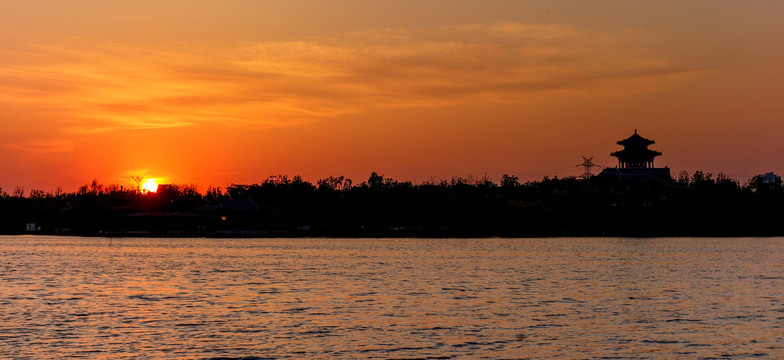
601, 298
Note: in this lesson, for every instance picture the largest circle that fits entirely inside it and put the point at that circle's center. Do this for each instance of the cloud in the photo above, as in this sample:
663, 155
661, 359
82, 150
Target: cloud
97, 87
43, 145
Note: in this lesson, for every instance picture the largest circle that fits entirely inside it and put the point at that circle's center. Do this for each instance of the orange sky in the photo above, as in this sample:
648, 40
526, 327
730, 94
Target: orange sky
220, 92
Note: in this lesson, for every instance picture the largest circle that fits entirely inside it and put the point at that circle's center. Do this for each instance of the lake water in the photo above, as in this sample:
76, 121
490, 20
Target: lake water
566, 298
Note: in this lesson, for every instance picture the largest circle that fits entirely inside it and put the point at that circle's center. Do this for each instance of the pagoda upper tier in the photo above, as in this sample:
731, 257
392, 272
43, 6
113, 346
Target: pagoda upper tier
635, 153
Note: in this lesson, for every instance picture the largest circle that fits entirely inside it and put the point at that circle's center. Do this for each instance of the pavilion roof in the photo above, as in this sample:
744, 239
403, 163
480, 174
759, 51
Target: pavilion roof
636, 154
636, 141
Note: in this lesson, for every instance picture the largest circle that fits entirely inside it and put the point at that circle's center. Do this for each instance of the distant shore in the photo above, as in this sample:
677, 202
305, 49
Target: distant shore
698, 205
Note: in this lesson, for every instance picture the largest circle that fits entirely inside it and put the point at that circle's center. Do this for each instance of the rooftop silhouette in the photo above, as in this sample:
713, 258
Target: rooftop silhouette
636, 161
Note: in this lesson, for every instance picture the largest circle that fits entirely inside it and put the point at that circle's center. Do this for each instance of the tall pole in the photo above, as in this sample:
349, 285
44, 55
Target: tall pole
587, 164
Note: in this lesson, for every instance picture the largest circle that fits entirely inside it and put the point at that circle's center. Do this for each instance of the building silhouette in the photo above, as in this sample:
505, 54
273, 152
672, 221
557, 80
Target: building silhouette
771, 178
636, 162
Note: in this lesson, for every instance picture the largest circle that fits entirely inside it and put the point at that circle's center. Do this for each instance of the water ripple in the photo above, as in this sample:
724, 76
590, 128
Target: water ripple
256, 299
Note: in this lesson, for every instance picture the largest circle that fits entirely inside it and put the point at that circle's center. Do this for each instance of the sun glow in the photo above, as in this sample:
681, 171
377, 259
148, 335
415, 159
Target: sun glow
149, 185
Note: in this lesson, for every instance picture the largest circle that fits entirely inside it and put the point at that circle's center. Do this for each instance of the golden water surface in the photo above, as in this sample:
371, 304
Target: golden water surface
565, 298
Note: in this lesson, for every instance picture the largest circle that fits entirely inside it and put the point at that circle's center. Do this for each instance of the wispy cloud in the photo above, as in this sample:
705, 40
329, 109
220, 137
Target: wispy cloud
98, 87
43, 145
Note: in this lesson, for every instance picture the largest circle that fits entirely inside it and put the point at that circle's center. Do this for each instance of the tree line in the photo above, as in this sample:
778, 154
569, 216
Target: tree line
697, 204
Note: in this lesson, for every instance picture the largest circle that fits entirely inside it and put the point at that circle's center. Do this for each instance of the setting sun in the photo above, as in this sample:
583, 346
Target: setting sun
150, 185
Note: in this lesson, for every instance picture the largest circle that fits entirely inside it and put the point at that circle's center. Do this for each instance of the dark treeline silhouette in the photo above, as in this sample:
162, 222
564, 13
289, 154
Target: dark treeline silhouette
694, 205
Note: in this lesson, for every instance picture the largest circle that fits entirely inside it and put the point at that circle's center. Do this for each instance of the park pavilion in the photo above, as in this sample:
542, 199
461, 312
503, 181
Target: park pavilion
635, 162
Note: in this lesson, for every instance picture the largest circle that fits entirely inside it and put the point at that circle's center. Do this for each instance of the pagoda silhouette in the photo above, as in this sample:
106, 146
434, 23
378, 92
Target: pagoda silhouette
635, 162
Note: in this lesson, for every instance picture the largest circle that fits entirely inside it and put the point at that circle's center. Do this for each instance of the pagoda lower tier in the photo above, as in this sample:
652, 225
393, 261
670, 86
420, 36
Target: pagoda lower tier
638, 174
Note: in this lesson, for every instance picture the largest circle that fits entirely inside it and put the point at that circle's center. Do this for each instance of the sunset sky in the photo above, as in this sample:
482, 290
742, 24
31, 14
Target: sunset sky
218, 92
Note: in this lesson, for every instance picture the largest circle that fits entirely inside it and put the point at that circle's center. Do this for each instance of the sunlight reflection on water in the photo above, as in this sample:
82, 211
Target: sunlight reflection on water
391, 298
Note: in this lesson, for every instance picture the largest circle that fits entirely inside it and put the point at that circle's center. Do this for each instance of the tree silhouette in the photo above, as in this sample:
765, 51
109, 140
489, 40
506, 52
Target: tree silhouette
463, 206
